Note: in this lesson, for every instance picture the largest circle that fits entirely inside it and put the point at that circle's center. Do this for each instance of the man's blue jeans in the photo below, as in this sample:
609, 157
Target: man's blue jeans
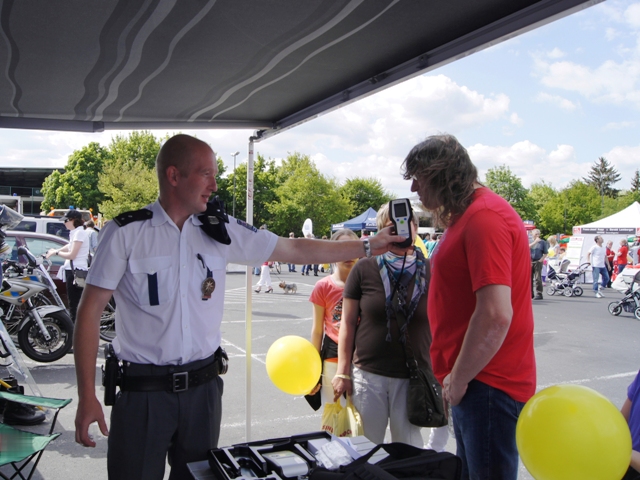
597, 271
485, 426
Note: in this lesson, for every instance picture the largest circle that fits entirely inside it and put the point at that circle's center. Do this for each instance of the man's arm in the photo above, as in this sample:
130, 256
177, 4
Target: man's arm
85, 347
487, 330
309, 251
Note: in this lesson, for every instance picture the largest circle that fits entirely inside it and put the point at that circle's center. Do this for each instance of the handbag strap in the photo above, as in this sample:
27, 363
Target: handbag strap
410, 358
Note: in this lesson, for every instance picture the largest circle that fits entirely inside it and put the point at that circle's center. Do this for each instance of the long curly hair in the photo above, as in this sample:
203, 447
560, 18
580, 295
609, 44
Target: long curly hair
442, 165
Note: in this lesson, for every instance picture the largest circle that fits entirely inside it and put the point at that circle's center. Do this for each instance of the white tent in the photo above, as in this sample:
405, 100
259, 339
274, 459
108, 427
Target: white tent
615, 227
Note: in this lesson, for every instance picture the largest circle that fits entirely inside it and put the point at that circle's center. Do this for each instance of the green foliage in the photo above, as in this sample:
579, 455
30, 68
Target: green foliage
577, 204
364, 193
635, 181
127, 189
264, 190
602, 176
139, 147
506, 184
78, 185
306, 194
539, 194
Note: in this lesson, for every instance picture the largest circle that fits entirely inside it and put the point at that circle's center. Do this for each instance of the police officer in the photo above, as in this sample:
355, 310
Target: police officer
167, 275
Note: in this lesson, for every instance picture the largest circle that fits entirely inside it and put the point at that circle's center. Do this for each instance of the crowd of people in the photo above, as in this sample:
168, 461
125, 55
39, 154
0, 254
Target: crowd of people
463, 307
606, 262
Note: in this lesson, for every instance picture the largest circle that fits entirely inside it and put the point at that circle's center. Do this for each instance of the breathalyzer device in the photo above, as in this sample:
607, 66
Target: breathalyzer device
401, 215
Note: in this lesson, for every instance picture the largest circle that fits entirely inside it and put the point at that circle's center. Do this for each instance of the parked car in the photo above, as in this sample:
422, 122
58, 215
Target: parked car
43, 224
38, 244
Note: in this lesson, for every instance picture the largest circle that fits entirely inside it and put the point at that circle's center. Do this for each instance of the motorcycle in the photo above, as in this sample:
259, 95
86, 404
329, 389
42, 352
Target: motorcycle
44, 332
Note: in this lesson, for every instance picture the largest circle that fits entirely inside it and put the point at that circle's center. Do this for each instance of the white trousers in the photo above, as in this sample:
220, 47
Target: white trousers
265, 277
382, 401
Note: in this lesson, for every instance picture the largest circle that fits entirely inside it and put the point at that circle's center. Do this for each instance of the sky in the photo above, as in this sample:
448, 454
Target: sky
547, 104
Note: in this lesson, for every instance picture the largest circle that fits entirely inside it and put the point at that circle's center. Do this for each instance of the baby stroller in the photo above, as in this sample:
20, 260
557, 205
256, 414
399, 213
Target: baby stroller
631, 300
564, 282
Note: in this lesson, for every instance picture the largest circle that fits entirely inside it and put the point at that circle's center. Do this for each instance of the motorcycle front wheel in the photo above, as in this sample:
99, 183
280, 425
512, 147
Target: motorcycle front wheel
108, 322
36, 347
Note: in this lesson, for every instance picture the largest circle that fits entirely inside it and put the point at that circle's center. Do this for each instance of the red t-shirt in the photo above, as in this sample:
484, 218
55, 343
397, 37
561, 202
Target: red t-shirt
622, 258
328, 295
488, 245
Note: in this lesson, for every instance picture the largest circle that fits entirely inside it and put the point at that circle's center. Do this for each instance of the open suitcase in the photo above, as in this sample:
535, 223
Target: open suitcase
294, 457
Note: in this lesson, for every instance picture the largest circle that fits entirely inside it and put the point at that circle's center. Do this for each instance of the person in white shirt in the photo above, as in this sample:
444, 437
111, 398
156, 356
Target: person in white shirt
598, 257
76, 255
165, 266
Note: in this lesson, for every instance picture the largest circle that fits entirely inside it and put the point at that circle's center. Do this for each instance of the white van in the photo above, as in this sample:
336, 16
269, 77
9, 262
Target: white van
43, 224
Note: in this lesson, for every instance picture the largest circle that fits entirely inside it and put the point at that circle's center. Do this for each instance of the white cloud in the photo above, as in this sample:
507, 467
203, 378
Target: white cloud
611, 34
611, 82
555, 53
632, 15
557, 100
618, 125
626, 160
530, 162
515, 119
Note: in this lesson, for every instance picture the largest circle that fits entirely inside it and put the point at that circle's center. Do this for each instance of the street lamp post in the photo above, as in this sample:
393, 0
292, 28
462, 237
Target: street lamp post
234, 155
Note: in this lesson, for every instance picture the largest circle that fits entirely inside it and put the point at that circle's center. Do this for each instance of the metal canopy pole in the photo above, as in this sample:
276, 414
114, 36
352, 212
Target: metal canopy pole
248, 303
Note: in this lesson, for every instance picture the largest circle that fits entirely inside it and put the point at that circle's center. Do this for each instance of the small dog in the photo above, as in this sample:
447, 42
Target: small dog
288, 287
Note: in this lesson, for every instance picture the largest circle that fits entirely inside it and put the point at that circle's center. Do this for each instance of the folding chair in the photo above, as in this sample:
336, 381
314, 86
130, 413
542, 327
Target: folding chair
18, 446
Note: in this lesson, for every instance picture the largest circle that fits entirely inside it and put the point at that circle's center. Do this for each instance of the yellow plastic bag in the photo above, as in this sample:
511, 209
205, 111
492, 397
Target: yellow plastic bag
330, 417
349, 422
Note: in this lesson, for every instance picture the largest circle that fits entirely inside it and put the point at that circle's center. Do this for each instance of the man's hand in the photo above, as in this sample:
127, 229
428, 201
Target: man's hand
89, 411
381, 242
453, 393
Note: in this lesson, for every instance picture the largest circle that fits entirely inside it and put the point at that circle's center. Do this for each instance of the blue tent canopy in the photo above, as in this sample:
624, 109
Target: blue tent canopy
364, 221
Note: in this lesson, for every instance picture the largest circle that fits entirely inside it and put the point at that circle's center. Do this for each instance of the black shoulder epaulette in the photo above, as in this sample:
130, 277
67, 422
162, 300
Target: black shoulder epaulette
134, 216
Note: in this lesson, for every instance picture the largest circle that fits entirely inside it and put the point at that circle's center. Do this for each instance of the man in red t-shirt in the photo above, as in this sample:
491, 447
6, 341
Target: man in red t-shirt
479, 306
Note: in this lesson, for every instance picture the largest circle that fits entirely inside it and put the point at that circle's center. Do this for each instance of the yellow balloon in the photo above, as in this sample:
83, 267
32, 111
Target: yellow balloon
567, 432
293, 365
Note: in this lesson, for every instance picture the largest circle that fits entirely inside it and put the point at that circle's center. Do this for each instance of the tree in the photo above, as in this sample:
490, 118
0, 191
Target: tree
264, 190
78, 185
364, 193
577, 204
138, 147
127, 189
540, 193
602, 176
503, 182
306, 193
635, 181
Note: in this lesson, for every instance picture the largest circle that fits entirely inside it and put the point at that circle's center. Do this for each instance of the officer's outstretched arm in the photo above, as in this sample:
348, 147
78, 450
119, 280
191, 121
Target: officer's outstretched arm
85, 347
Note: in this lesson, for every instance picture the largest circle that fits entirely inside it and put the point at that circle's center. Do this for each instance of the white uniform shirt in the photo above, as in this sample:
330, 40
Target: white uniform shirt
598, 255
79, 234
153, 267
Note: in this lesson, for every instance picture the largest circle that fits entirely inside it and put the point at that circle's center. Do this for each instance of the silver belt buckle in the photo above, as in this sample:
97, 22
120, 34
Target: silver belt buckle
180, 382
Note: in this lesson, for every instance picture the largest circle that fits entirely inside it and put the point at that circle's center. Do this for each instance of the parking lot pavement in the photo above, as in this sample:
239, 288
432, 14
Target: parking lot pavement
576, 340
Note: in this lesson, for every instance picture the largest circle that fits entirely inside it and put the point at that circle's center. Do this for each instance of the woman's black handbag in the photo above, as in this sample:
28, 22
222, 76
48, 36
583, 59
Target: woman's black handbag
425, 405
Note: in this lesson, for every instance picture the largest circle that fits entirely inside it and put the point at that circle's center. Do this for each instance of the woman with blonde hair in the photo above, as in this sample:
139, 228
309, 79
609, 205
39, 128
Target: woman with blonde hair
380, 292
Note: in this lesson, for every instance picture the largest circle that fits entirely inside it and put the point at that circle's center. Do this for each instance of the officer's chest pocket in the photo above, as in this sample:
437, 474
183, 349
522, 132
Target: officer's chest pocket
153, 280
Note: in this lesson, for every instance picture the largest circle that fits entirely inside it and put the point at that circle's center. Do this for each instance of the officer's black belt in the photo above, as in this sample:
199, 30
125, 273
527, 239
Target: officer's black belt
174, 381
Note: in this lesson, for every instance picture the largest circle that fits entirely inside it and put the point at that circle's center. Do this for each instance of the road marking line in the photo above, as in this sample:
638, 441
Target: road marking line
270, 320
253, 356
587, 380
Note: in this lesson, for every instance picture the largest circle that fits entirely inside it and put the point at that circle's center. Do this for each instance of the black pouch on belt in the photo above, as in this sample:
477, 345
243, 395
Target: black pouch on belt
111, 374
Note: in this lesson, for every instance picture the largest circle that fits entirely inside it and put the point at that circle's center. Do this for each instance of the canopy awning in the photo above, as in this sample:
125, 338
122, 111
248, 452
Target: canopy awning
364, 221
264, 65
